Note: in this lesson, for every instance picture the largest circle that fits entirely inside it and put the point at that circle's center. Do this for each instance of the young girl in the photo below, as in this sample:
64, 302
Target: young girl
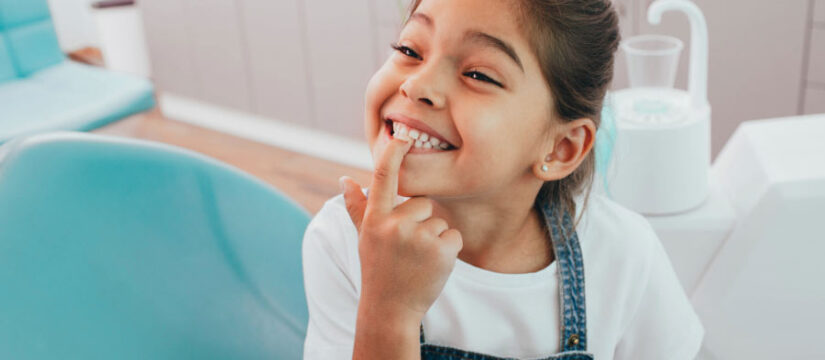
476, 239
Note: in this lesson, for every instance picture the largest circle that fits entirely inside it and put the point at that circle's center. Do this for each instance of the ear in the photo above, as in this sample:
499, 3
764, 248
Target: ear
566, 150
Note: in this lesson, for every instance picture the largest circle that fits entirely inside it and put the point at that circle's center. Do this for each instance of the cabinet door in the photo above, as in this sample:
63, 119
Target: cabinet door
168, 40
279, 77
340, 36
816, 57
627, 28
814, 100
388, 17
218, 52
755, 58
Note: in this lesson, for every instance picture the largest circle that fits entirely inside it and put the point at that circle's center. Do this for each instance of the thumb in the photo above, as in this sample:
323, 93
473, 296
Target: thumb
355, 199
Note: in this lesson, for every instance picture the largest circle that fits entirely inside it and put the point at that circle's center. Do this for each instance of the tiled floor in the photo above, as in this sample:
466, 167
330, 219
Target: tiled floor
308, 180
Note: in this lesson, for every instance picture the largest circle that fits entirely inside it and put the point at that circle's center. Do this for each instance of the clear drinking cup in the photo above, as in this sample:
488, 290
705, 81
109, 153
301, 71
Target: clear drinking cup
652, 60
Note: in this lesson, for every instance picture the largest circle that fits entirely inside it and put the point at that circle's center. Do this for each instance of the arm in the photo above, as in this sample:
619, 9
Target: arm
334, 303
394, 242
385, 334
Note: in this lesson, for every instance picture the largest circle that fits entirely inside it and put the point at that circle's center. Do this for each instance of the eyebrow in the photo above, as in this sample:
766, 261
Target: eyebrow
490, 40
475, 35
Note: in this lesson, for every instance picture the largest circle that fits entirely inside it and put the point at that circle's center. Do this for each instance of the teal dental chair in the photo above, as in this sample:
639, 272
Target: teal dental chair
113, 248
42, 91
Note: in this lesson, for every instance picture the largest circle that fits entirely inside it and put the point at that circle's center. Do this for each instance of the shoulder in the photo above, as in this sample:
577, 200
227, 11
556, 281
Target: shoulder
331, 233
631, 275
611, 226
620, 250
331, 237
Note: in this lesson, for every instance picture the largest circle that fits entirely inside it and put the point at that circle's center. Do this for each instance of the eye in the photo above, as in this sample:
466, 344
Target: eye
481, 77
405, 50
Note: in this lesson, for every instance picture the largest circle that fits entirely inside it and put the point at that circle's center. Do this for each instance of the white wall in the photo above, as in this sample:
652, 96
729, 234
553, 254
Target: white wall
74, 23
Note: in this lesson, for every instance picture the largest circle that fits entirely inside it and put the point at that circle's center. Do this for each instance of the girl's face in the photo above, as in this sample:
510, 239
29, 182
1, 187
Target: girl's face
462, 71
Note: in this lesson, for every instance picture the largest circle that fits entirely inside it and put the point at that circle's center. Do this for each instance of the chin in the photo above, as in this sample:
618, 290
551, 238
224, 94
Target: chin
411, 187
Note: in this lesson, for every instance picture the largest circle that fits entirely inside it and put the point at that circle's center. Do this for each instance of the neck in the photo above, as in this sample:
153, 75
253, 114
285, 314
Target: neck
501, 232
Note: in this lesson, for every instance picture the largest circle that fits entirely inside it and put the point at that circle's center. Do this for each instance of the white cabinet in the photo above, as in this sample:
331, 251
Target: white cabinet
218, 52
341, 60
169, 49
276, 44
308, 61
814, 101
197, 49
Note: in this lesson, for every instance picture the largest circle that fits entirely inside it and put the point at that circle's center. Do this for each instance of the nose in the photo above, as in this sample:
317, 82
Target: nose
426, 86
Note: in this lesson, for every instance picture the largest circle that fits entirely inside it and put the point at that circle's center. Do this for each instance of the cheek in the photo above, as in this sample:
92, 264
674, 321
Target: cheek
500, 145
380, 88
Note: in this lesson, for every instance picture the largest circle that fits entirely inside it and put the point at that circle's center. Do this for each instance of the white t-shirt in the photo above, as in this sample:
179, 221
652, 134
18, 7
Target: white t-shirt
636, 307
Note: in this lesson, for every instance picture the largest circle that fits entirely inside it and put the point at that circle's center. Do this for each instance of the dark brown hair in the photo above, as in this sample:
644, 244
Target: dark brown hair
574, 41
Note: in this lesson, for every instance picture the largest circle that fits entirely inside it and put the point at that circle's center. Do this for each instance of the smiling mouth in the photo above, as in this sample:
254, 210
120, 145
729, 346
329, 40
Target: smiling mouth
422, 139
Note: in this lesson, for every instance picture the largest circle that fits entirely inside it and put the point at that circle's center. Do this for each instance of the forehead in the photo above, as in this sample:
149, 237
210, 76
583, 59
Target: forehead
496, 17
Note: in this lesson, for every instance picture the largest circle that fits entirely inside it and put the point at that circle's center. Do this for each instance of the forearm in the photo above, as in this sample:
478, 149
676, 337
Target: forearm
386, 334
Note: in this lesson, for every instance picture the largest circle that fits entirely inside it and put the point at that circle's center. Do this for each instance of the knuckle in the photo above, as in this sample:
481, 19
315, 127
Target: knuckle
424, 206
452, 235
420, 202
440, 224
427, 204
435, 227
422, 232
381, 173
402, 227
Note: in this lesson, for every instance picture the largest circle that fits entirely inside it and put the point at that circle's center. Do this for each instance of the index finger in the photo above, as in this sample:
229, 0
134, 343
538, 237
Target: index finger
384, 185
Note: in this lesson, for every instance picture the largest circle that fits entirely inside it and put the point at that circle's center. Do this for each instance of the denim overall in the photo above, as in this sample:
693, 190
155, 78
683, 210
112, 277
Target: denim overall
571, 289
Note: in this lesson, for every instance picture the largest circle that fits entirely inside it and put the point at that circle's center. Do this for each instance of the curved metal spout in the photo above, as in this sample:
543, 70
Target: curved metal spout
698, 76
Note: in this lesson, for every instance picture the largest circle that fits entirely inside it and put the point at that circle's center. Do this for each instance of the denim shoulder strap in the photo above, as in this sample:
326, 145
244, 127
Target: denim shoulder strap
571, 276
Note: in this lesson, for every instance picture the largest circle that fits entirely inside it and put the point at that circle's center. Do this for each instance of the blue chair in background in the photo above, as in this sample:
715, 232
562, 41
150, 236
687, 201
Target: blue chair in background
42, 91
114, 248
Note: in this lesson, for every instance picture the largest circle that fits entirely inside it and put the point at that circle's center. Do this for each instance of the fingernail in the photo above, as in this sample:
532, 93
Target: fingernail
342, 184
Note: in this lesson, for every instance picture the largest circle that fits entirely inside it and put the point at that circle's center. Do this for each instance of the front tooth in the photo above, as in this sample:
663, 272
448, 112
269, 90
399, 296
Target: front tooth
427, 145
418, 143
414, 134
434, 141
424, 137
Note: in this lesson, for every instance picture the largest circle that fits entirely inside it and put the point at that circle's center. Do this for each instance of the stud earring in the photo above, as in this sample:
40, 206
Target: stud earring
544, 168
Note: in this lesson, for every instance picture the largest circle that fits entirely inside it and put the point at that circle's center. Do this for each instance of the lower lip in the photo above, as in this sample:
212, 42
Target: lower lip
414, 150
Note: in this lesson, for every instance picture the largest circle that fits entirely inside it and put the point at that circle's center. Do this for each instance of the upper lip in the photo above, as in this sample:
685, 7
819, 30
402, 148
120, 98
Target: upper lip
416, 124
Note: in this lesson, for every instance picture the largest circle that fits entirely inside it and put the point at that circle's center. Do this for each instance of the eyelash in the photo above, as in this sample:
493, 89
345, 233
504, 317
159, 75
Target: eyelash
481, 76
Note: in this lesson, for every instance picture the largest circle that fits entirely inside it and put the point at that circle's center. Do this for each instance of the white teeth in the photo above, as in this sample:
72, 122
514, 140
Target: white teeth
422, 139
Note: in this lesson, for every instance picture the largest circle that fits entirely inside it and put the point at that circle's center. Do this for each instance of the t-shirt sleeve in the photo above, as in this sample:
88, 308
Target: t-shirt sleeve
664, 324
332, 297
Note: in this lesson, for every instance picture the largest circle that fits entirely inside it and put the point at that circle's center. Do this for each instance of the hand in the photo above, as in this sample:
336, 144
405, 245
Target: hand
406, 253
